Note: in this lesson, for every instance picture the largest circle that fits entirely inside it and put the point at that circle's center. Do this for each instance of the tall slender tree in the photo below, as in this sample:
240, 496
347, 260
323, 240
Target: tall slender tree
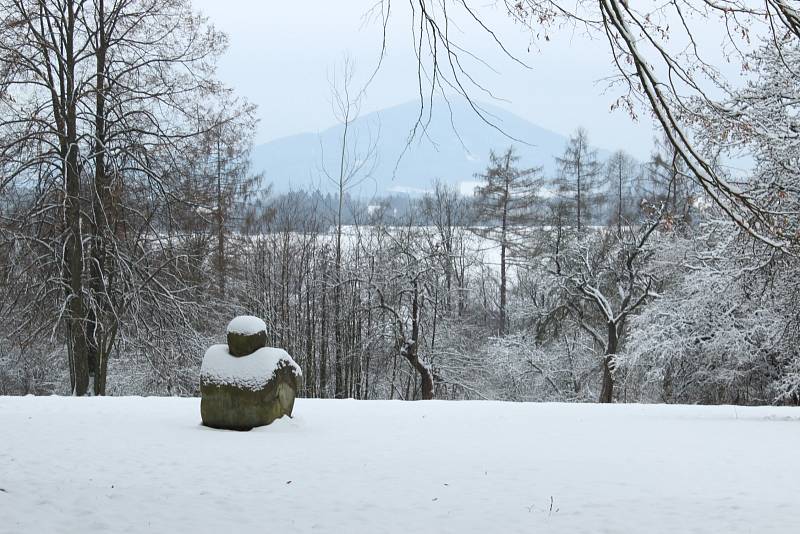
506, 202
578, 179
622, 174
355, 160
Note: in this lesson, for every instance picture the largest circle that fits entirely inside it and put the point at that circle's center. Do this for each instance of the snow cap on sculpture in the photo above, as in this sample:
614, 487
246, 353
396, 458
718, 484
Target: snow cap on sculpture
246, 334
245, 384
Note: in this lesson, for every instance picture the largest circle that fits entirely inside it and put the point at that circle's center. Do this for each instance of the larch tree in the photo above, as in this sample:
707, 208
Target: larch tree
506, 204
621, 175
666, 180
578, 178
219, 180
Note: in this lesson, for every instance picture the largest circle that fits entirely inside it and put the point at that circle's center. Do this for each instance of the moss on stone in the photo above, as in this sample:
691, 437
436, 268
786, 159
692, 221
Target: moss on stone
235, 408
245, 344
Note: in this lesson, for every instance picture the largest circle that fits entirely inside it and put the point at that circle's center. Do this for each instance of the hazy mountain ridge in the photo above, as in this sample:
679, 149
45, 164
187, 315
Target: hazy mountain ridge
453, 148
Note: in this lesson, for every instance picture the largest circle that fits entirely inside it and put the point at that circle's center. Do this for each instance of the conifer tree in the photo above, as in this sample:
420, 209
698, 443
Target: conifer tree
578, 186
505, 209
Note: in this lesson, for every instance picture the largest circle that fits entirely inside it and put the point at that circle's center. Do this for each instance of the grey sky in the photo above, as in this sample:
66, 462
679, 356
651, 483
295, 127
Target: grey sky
281, 54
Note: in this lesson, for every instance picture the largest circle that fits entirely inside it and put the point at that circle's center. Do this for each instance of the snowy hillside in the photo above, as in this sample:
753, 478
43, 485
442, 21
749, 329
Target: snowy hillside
146, 465
295, 162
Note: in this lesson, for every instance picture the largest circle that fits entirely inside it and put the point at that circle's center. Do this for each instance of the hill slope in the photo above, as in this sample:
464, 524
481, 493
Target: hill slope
455, 147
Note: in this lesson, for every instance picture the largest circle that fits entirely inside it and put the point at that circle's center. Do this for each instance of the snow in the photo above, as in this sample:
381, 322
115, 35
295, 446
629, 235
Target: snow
467, 187
147, 465
250, 372
202, 210
247, 325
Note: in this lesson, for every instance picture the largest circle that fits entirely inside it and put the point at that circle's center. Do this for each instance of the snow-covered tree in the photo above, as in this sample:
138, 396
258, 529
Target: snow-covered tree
100, 101
578, 181
714, 334
505, 203
762, 120
623, 188
611, 272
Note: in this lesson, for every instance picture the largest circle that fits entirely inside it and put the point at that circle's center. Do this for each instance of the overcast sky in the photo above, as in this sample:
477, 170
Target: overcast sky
281, 54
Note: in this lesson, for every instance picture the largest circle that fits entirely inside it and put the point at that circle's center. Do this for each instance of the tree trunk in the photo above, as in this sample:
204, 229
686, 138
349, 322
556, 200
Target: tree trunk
504, 247
607, 390
220, 222
323, 342
101, 225
410, 351
73, 262
579, 199
339, 353
427, 380
503, 287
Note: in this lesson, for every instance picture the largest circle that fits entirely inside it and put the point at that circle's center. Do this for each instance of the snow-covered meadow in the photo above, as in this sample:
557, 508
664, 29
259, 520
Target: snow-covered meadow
147, 465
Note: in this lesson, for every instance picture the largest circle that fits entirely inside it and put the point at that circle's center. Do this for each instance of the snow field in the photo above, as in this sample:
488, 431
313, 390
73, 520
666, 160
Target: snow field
147, 465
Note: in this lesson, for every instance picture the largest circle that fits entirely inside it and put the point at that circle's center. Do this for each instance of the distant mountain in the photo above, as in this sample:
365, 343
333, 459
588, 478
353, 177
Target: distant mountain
454, 147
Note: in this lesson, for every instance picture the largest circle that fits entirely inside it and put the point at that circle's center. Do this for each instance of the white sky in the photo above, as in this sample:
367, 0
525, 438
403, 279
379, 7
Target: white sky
281, 53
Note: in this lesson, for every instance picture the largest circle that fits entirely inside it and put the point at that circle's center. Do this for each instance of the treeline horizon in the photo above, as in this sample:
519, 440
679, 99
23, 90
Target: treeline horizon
617, 181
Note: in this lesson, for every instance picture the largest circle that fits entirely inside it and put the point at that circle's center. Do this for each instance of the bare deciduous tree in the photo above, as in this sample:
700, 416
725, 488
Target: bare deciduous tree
100, 100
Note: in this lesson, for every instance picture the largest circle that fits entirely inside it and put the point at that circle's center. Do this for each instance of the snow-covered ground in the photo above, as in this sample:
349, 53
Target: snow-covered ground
146, 465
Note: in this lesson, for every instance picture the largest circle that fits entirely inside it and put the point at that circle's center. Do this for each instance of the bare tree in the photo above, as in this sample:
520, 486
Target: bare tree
451, 215
99, 104
613, 275
404, 289
220, 180
355, 162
